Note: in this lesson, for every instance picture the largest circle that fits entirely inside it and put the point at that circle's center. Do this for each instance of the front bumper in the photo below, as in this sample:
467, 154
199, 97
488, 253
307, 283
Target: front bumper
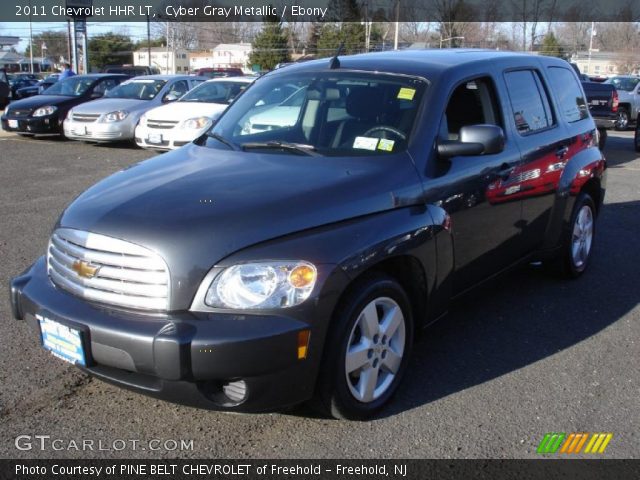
98, 131
165, 139
32, 125
185, 357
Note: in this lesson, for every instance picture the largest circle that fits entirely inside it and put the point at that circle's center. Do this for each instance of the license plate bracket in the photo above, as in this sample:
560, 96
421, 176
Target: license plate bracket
66, 340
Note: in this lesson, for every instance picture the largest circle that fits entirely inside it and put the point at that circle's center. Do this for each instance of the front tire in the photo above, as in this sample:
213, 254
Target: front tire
636, 137
573, 258
367, 349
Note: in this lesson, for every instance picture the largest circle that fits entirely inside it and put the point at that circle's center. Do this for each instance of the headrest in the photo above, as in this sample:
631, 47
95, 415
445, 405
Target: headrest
364, 103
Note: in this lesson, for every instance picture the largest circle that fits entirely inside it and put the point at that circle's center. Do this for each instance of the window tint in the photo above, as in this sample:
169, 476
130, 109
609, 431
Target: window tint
529, 101
572, 104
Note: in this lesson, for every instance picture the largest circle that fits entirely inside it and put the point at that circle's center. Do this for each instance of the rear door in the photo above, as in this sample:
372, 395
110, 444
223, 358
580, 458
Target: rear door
545, 145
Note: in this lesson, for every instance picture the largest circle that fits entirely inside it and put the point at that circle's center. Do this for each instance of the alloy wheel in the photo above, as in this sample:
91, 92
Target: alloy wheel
375, 349
582, 237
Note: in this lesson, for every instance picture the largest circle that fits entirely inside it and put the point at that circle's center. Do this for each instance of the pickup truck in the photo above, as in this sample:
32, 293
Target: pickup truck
628, 87
248, 271
602, 99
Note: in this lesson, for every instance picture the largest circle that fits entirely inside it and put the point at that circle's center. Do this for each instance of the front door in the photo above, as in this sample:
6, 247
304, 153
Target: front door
473, 190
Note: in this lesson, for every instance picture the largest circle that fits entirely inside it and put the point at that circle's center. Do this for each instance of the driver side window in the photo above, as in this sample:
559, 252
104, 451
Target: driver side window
471, 103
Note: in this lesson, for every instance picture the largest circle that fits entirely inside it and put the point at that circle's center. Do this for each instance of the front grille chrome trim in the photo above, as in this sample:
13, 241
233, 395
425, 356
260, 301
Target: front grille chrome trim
126, 274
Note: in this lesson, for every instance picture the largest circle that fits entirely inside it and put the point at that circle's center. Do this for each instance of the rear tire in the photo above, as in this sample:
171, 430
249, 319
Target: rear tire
367, 349
603, 138
573, 258
622, 122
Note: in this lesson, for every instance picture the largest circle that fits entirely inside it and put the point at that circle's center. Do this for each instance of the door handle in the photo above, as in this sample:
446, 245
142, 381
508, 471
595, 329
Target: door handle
505, 171
562, 151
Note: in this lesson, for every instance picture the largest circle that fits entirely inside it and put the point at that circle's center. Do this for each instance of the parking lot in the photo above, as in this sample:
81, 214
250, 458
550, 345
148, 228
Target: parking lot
526, 355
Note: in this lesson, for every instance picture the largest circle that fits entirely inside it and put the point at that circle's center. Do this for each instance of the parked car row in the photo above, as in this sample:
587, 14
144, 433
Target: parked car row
115, 107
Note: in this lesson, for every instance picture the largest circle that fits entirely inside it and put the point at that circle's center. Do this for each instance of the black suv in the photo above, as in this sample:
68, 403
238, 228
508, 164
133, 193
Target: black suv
293, 250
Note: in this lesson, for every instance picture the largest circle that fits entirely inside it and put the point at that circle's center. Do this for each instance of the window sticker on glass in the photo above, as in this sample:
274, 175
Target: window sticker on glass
365, 143
386, 144
406, 93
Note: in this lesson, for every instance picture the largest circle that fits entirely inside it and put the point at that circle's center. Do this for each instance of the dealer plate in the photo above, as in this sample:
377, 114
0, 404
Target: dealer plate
154, 138
63, 341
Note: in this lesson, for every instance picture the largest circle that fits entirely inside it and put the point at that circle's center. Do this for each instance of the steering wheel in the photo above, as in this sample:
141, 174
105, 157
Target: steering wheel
385, 128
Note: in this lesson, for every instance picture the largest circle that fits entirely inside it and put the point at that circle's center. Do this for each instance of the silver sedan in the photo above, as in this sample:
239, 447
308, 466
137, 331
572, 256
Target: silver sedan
115, 116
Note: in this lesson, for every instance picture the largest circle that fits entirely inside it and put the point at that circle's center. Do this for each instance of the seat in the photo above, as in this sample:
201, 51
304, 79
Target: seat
364, 105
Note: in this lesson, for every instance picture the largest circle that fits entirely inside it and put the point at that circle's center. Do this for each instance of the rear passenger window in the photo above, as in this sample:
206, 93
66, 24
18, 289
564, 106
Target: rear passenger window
529, 100
572, 104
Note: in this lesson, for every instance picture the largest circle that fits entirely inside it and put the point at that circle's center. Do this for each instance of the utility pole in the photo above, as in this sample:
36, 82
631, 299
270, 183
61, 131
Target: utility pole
395, 37
367, 27
167, 39
68, 40
593, 26
148, 40
30, 41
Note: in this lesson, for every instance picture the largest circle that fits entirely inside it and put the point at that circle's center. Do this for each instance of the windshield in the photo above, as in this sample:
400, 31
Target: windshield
215, 92
71, 87
137, 89
626, 84
331, 112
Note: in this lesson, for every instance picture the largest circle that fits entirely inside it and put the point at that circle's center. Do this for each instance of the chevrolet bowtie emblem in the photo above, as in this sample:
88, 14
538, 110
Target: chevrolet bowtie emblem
84, 269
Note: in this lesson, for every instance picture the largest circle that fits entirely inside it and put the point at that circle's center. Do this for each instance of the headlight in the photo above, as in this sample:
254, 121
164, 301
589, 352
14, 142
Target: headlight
69, 114
116, 116
196, 123
43, 111
262, 285
143, 120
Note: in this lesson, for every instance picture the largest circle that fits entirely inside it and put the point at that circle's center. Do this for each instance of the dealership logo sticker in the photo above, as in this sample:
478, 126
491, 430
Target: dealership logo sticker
574, 443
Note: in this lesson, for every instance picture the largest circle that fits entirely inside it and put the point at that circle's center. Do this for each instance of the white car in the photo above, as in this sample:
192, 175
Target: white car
171, 126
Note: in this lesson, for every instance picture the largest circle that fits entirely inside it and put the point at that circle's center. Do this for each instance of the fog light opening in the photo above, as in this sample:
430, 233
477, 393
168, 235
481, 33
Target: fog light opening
236, 391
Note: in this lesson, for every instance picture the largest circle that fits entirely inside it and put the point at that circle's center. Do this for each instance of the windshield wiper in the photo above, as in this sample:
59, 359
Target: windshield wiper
277, 145
221, 139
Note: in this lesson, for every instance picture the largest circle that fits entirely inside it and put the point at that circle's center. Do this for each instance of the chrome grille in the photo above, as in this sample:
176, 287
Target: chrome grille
163, 124
85, 117
17, 112
120, 273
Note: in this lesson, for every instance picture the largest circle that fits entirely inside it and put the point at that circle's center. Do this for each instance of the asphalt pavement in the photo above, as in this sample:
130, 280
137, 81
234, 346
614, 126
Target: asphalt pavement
525, 355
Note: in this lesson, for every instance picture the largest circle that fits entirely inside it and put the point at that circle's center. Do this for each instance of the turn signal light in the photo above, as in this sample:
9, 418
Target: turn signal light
302, 276
303, 343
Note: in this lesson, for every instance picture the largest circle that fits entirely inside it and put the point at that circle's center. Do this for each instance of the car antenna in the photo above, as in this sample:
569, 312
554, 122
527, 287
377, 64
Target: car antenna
335, 63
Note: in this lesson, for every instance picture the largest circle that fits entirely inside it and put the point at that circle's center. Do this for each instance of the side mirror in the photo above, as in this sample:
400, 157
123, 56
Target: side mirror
169, 97
96, 94
474, 140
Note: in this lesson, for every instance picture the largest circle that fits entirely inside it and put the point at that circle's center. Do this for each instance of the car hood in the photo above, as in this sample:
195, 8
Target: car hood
106, 105
197, 205
185, 110
44, 100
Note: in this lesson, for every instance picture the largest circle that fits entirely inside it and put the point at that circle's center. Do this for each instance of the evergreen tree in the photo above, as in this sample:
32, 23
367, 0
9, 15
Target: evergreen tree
110, 49
270, 46
551, 47
333, 34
